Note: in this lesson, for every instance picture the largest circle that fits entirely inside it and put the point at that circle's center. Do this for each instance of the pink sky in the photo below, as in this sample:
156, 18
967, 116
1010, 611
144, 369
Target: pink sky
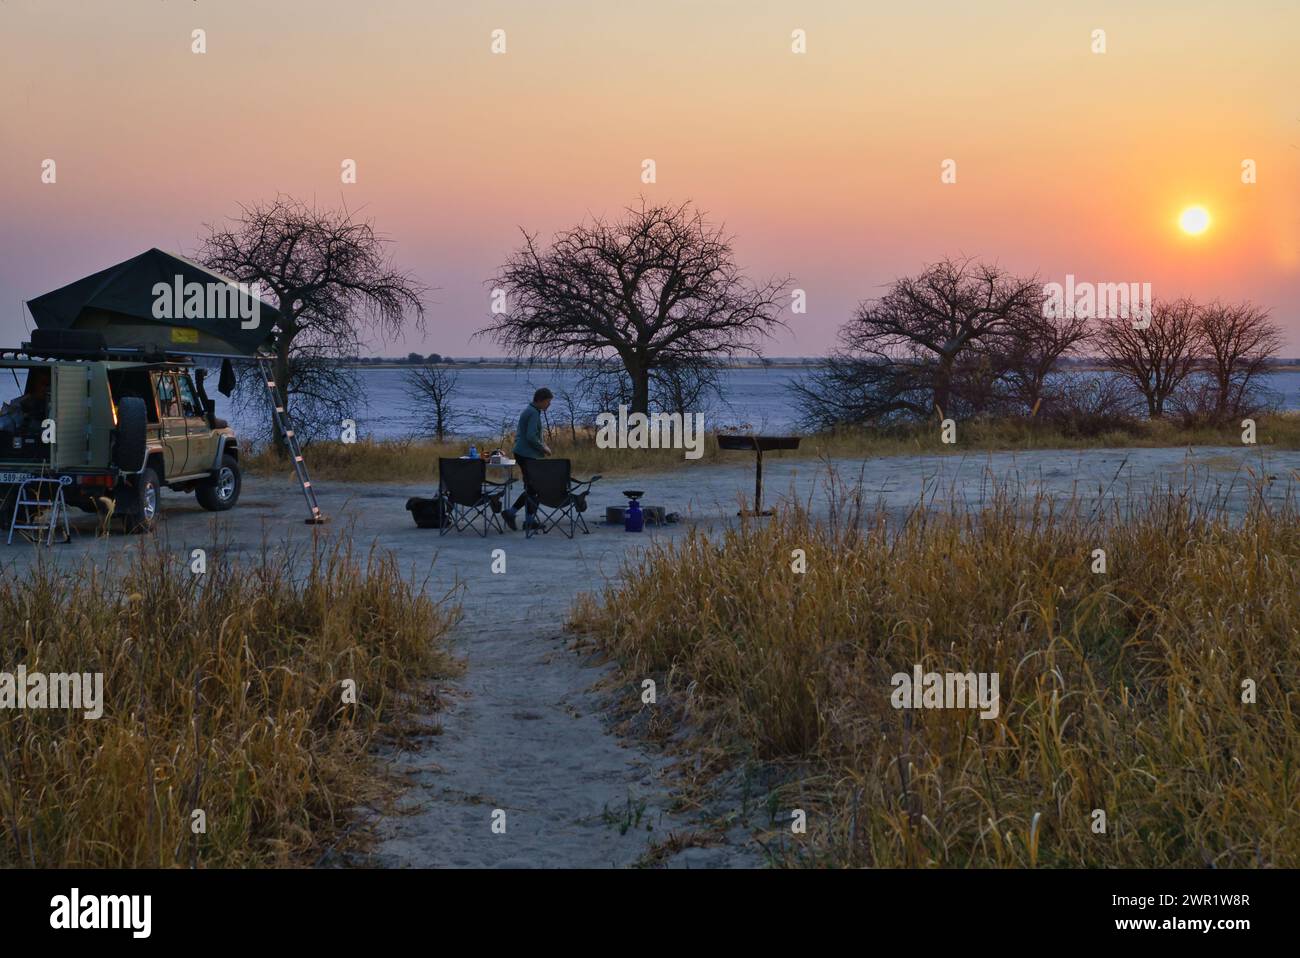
825, 165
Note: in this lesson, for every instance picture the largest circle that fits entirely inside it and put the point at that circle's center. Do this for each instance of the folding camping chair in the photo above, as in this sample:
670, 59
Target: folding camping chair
467, 495
553, 496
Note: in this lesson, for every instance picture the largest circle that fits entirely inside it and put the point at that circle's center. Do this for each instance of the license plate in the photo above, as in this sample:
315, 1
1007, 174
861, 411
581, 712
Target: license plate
14, 476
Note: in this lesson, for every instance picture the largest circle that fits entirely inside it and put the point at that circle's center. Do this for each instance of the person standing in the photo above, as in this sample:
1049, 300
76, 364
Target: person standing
529, 445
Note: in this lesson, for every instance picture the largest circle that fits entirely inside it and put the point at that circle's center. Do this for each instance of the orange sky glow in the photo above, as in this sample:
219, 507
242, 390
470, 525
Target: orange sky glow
825, 165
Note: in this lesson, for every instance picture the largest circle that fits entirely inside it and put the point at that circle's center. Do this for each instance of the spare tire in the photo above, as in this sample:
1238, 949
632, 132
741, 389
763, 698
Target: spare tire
132, 442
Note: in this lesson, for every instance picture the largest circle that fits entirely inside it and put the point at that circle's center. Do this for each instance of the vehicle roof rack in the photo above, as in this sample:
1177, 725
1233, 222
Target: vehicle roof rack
139, 354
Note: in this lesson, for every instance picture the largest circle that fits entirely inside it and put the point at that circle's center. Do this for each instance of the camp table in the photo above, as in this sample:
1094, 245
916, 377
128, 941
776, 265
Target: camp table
759, 445
503, 463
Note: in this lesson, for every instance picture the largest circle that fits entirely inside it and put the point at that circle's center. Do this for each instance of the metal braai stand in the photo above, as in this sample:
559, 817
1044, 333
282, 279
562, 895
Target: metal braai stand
285, 425
758, 445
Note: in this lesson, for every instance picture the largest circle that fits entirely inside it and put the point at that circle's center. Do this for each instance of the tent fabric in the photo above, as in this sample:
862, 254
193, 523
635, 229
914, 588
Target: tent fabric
119, 302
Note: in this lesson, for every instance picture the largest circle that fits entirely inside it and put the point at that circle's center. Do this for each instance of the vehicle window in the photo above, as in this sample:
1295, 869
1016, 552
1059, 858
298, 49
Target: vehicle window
190, 405
24, 402
127, 383
167, 401
13, 385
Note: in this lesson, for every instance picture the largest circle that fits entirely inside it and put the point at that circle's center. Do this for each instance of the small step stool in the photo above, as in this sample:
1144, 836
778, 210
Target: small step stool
30, 495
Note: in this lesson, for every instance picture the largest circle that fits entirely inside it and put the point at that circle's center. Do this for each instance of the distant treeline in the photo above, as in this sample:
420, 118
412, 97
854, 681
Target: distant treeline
434, 359
965, 339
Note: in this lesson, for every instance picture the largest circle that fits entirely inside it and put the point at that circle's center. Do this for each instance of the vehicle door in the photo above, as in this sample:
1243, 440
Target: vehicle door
201, 440
174, 442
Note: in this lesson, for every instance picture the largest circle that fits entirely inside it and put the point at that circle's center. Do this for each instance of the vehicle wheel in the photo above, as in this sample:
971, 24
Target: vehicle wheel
131, 443
221, 491
141, 512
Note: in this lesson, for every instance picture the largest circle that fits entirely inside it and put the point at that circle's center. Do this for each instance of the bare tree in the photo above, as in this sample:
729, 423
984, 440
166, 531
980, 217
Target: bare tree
849, 389
431, 387
936, 342
1088, 404
1155, 359
673, 386
1032, 352
569, 407
941, 315
1240, 341
658, 289
333, 280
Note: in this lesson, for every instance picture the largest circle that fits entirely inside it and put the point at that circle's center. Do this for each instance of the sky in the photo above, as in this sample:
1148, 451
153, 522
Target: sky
825, 165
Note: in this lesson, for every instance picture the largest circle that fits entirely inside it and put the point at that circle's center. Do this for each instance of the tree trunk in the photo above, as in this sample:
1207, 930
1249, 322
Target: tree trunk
943, 386
1223, 402
640, 377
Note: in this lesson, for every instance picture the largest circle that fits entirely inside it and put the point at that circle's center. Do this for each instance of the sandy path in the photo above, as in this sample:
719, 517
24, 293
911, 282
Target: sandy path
527, 736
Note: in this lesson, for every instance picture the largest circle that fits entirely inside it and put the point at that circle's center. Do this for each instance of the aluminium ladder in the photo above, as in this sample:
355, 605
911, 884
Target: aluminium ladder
26, 520
282, 422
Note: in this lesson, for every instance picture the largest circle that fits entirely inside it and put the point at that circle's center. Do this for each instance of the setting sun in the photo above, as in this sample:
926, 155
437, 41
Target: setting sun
1194, 220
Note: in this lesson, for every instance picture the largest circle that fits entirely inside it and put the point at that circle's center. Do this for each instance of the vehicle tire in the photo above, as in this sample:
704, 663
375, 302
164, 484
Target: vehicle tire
132, 442
145, 503
221, 491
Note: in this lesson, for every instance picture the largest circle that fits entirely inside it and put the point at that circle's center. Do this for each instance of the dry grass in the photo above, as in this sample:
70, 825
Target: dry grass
222, 692
1119, 691
409, 460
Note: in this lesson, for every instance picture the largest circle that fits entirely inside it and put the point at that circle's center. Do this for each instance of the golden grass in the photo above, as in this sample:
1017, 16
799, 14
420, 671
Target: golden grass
1119, 691
408, 460
222, 692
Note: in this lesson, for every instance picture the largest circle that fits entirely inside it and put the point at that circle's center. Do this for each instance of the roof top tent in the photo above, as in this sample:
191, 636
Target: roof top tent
159, 301
162, 303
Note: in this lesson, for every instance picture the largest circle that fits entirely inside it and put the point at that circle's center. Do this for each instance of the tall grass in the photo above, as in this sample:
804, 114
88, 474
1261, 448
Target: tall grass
414, 460
223, 692
1120, 691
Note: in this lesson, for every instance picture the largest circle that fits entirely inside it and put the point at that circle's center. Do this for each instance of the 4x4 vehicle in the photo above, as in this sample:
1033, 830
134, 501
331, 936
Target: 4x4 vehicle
115, 431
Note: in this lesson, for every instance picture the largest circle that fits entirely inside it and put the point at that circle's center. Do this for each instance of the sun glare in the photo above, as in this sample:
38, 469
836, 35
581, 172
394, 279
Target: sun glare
1194, 220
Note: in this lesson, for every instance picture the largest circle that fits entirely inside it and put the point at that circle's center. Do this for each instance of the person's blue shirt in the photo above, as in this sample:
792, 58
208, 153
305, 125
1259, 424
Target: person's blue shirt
528, 437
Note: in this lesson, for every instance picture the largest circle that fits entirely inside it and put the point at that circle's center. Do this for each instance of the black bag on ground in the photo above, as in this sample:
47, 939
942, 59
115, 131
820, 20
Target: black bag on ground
426, 512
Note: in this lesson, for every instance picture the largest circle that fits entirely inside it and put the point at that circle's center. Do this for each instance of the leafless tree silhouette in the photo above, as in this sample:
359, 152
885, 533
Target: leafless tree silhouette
658, 290
1034, 349
1239, 342
333, 281
432, 388
942, 341
1156, 360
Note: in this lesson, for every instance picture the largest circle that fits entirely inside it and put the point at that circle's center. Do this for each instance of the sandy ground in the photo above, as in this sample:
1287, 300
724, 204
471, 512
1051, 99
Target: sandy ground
527, 731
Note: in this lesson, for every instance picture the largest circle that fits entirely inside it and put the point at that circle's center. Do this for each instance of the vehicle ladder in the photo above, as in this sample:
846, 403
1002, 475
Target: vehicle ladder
283, 423
34, 495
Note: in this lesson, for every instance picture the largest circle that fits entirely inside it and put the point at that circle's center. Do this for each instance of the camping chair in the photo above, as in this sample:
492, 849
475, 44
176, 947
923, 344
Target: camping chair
467, 495
553, 496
